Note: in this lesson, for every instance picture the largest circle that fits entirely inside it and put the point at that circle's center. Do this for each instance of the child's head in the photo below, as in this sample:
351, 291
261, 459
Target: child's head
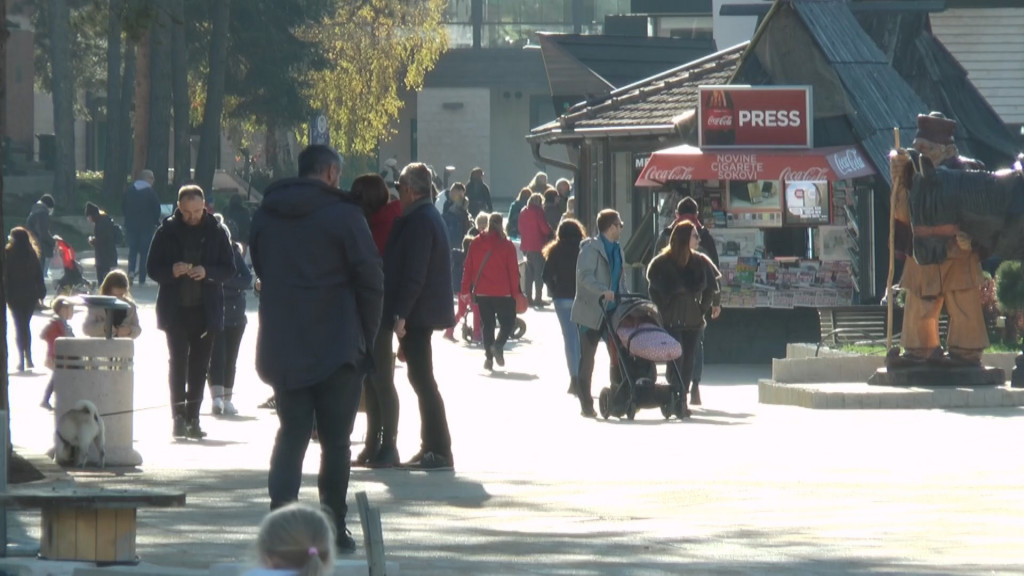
63, 307
115, 284
297, 537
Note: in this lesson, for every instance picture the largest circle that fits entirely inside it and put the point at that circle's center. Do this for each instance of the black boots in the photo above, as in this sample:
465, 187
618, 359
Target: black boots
695, 393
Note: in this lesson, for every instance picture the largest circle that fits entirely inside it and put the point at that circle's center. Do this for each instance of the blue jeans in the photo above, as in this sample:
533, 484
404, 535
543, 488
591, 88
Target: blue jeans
138, 247
570, 335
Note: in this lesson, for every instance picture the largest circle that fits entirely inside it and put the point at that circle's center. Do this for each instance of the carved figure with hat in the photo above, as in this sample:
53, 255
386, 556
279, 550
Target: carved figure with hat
953, 284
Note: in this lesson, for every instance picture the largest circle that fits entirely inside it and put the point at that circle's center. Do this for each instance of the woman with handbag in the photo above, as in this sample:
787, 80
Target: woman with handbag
491, 278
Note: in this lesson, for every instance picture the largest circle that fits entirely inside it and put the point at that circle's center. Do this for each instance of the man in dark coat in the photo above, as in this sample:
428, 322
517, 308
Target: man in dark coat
103, 240
141, 209
320, 307
686, 209
38, 223
190, 258
418, 299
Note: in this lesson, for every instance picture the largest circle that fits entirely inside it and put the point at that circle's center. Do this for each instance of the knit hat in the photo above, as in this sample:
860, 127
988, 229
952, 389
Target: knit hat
91, 209
47, 200
935, 127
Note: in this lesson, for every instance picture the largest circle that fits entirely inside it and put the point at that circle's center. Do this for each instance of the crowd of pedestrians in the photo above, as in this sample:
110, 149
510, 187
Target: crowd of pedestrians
343, 275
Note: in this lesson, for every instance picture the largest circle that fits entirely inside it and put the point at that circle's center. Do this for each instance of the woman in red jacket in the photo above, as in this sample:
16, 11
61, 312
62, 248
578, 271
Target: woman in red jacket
491, 276
534, 233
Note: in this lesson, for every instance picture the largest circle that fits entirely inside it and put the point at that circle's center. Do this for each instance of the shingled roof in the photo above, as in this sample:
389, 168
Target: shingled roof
649, 107
859, 96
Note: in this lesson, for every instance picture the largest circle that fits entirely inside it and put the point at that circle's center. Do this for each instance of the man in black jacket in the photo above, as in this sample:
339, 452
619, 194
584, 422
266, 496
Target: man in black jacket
190, 258
320, 307
687, 209
418, 300
103, 240
141, 209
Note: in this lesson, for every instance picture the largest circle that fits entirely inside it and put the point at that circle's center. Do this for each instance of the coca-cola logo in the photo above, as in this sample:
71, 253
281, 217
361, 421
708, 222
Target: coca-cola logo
675, 173
720, 119
788, 174
847, 162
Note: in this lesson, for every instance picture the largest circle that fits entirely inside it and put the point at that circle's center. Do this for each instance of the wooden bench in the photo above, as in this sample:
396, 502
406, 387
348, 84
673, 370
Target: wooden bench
844, 325
89, 524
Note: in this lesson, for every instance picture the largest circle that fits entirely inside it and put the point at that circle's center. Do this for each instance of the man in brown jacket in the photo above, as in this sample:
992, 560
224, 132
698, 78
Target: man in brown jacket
956, 282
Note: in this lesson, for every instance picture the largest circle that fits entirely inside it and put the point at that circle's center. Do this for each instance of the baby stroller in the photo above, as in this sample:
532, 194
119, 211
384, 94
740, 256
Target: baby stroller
639, 342
73, 281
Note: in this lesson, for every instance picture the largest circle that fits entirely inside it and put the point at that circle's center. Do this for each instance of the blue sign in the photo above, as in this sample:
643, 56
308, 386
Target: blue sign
318, 131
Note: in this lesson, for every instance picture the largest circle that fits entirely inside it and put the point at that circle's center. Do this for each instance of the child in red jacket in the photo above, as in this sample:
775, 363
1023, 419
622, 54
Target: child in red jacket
57, 328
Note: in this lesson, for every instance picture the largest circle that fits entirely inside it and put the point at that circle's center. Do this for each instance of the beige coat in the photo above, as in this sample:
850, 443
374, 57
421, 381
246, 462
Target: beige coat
96, 321
593, 276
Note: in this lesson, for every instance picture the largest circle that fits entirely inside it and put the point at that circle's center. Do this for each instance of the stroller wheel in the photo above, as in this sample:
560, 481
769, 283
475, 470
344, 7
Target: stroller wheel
602, 403
630, 410
666, 409
519, 330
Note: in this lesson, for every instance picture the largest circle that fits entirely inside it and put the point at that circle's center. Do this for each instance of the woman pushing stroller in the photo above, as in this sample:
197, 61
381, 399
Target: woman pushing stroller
684, 286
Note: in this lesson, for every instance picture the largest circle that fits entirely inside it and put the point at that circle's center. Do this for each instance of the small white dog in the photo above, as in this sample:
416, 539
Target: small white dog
77, 430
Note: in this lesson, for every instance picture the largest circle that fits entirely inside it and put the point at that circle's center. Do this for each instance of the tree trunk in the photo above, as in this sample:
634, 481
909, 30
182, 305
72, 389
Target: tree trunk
127, 97
63, 100
113, 179
278, 150
209, 137
158, 149
141, 144
4, 400
179, 81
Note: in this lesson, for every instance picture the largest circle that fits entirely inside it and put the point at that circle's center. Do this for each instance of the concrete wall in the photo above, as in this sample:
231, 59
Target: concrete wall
43, 124
454, 128
20, 78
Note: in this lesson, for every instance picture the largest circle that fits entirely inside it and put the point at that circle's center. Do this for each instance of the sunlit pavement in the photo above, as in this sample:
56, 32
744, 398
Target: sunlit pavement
740, 488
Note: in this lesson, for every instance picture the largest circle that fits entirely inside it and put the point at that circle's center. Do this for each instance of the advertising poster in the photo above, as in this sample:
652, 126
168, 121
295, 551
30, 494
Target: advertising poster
754, 204
833, 243
807, 203
737, 243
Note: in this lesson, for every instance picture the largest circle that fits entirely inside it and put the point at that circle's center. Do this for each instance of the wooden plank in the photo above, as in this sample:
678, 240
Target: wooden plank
66, 544
85, 536
47, 538
106, 535
91, 498
373, 535
125, 535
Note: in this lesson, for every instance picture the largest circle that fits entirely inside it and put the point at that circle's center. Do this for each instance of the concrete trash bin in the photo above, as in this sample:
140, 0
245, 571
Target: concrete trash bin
99, 370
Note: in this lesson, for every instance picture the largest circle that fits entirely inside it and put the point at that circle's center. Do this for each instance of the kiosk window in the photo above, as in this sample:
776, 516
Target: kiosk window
782, 242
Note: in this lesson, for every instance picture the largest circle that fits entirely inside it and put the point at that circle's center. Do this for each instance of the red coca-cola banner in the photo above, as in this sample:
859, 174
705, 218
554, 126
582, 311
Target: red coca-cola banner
762, 116
689, 163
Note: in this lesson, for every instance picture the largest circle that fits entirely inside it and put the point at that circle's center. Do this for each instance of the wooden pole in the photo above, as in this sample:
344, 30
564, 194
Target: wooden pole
892, 251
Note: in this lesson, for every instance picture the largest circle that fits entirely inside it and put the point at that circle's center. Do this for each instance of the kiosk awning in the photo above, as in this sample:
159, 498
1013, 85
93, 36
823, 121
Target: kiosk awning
681, 163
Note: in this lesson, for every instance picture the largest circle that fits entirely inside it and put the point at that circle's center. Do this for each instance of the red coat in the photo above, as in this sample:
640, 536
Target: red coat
534, 231
381, 221
500, 276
